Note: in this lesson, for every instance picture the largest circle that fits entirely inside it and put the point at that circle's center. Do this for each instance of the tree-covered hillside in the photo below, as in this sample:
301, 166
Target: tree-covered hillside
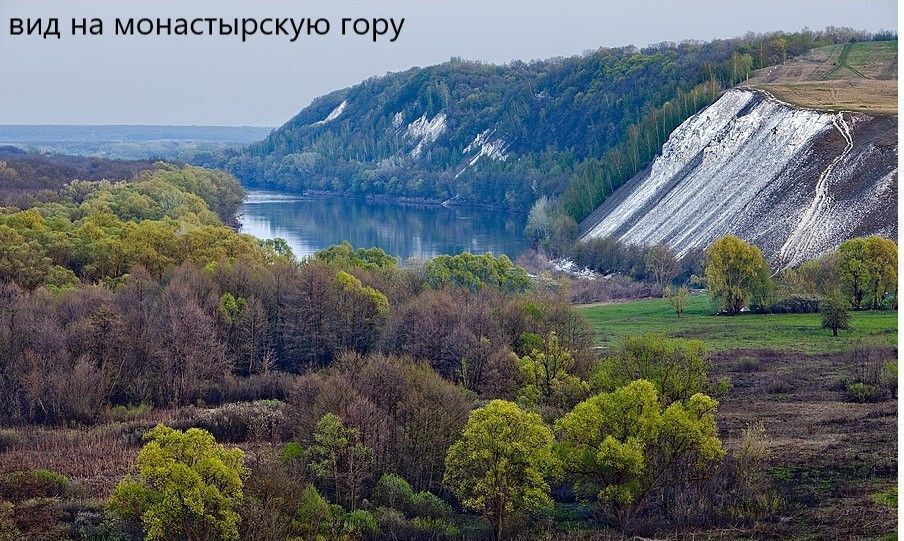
506, 135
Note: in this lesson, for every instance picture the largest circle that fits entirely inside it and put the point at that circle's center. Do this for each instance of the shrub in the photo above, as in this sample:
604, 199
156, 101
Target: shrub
9, 439
872, 380
862, 392
25, 485
240, 422
395, 493
795, 304
747, 363
129, 413
678, 298
318, 519
780, 387
752, 495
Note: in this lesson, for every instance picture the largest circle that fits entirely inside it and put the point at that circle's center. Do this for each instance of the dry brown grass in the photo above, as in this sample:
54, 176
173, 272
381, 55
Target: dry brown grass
861, 77
860, 95
95, 458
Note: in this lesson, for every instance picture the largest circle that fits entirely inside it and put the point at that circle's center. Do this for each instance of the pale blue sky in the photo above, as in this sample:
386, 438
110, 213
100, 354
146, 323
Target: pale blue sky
222, 81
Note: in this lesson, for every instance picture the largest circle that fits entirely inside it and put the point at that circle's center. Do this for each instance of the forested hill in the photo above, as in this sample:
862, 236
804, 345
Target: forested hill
507, 134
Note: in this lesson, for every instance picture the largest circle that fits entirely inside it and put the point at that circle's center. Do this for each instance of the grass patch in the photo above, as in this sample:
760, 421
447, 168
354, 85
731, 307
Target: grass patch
797, 332
888, 498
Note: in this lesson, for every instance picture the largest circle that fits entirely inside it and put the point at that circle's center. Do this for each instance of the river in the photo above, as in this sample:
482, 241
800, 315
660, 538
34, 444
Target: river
311, 223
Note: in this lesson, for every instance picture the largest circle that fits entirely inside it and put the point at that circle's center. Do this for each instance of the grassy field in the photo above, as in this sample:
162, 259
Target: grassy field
845, 77
793, 332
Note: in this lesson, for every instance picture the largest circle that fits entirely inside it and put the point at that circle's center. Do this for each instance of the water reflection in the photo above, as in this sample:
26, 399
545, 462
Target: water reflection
310, 223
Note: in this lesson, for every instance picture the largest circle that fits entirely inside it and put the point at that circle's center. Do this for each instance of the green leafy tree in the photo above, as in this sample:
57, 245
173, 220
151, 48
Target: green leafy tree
678, 368
319, 520
883, 269
474, 271
546, 373
21, 261
277, 250
835, 315
187, 487
361, 313
618, 448
735, 272
340, 459
854, 267
501, 463
343, 256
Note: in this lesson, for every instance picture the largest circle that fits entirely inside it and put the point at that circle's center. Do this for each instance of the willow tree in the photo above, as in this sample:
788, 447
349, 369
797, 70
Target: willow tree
735, 272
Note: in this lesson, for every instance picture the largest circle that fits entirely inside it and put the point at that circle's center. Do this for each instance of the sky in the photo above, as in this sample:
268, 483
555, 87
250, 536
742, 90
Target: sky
267, 80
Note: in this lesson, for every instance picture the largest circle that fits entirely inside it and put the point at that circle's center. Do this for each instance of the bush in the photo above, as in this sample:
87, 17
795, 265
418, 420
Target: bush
25, 485
747, 363
9, 439
795, 304
240, 422
873, 380
752, 495
129, 413
863, 392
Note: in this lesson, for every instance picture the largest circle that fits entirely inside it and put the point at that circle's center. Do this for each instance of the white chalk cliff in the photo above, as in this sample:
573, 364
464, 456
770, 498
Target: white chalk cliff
794, 181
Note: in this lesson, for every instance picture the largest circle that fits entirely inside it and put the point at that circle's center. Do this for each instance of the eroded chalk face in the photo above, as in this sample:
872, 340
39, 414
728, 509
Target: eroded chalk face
796, 182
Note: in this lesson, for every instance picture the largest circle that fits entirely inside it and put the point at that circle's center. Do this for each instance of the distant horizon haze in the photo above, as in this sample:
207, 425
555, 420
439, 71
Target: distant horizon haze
222, 82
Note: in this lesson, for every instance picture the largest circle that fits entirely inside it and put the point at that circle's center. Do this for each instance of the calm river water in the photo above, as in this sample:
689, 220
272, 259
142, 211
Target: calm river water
310, 223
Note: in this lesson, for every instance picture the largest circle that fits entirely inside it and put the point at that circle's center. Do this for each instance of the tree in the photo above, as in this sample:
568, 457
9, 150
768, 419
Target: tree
339, 458
548, 381
187, 487
678, 298
735, 271
343, 256
677, 368
661, 262
869, 270
539, 222
475, 271
835, 316
21, 261
618, 448
883, 266
360, 313
501, 463
854, 268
